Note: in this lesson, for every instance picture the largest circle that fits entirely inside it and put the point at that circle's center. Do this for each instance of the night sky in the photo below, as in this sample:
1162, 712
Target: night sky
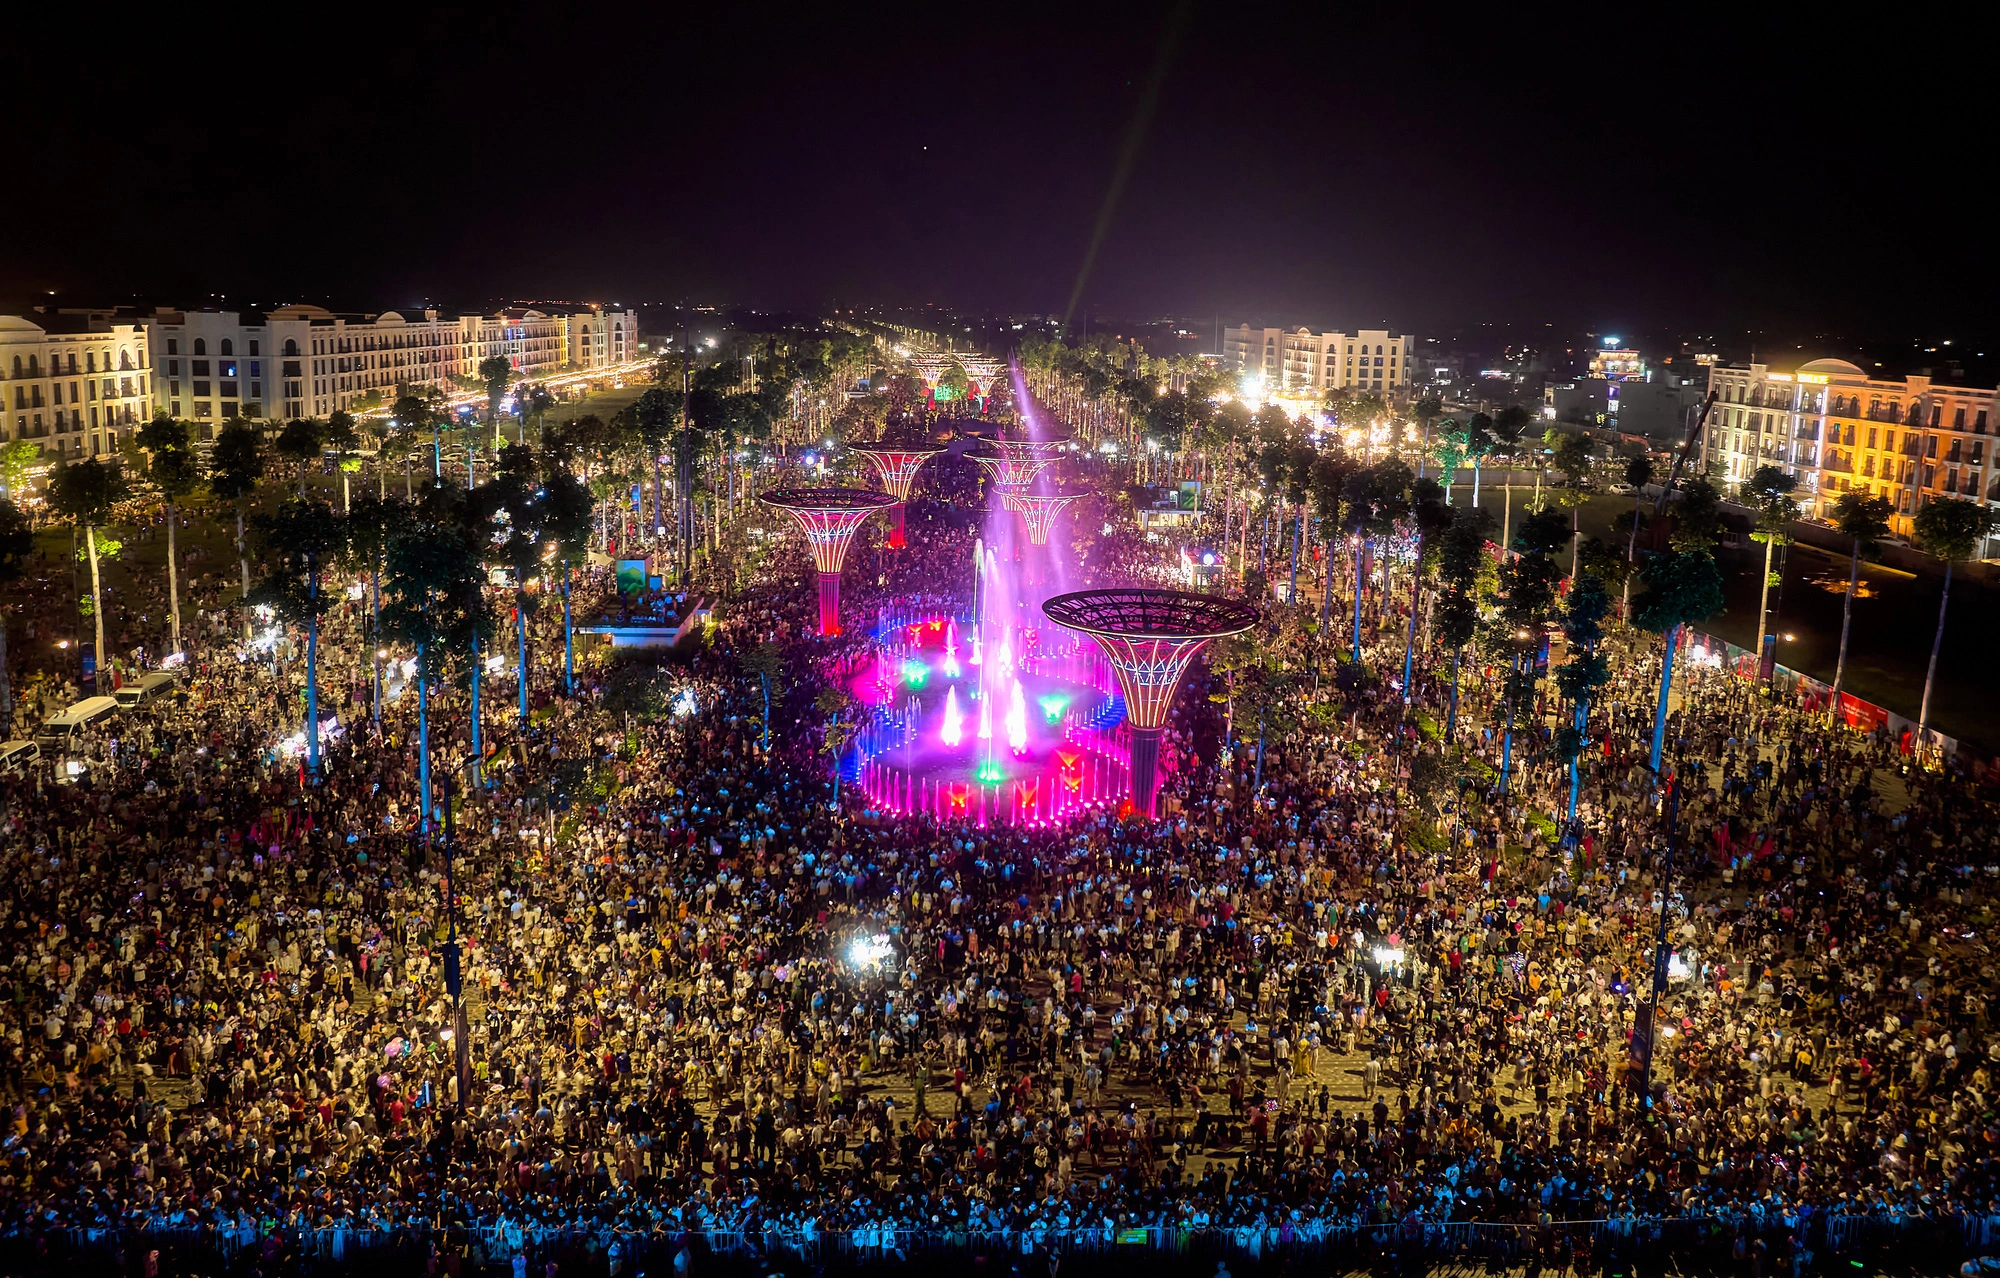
1608, 167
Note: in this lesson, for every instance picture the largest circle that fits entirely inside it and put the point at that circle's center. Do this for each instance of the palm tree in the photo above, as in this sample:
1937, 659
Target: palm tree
655, 414
340, 435
436, 601
175, 471
84, 493
1527, 601
1584, 672
17, 539
300, 542
1330, 472
565, 525
1769, 492
1947, 528
1638, 473
1510, 427
1682, 587
415, 411
518, 491
1862, 519
1477, 442
1375, 499
1427, 410
234, 467
496, 371
371, 523
1462, 562
381, 430
1433, 518
300, 443
767, 663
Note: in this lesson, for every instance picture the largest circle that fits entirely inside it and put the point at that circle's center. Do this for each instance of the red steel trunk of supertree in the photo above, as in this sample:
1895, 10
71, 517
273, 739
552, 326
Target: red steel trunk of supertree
896, 512
829, 604
1145, 768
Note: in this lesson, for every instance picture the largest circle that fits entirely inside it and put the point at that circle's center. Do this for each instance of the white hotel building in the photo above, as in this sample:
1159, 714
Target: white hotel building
1835, 428
76, 380
304, 361
1300, 361
76, 386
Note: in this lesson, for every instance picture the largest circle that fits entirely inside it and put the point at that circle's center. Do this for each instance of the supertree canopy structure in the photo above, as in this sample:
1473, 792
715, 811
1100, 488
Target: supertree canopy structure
1149, 637
1037, 510
898, 465
1013, 457
1009, 472
829, 517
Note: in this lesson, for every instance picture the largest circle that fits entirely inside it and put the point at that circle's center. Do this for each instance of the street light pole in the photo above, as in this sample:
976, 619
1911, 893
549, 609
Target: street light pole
453, 983
1643, 1028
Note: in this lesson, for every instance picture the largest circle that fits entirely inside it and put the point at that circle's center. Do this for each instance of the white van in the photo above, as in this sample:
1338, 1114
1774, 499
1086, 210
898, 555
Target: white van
57, 735
18, 756
157, 683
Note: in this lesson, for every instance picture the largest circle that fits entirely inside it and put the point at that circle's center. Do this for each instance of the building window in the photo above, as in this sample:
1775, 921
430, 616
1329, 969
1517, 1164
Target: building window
173, 346
200, 346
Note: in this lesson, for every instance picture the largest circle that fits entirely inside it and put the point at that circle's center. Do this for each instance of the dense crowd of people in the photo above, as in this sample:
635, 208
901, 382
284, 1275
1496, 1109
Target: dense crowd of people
1306, 999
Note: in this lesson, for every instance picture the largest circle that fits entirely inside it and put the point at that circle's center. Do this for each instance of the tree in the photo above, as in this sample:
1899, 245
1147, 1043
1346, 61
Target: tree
1572, 462
1375, 499
234, 467
565, 525
415, 412
1475, 439
1697, 518
1432, 516
1461, 565
436, 601
1682, 587
17, 539
17, 457
1638, 473
1947, 528
175, 472
1510, 427
1527, 600
656, 414
84, 493
495, 372
300, 542
1863, 520
834, 702
1449, 450
952, 383
381, 430
300, 443
1330, 471
1585, 671
1768, 491
340, 435
767, 663
371, 523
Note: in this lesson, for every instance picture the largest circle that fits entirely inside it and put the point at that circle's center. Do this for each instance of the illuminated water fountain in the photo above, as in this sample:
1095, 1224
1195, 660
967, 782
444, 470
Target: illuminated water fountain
1029, 735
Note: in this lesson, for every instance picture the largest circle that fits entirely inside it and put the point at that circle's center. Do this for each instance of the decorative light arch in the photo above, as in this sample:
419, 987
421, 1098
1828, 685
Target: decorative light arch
1038, 511
898, 465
